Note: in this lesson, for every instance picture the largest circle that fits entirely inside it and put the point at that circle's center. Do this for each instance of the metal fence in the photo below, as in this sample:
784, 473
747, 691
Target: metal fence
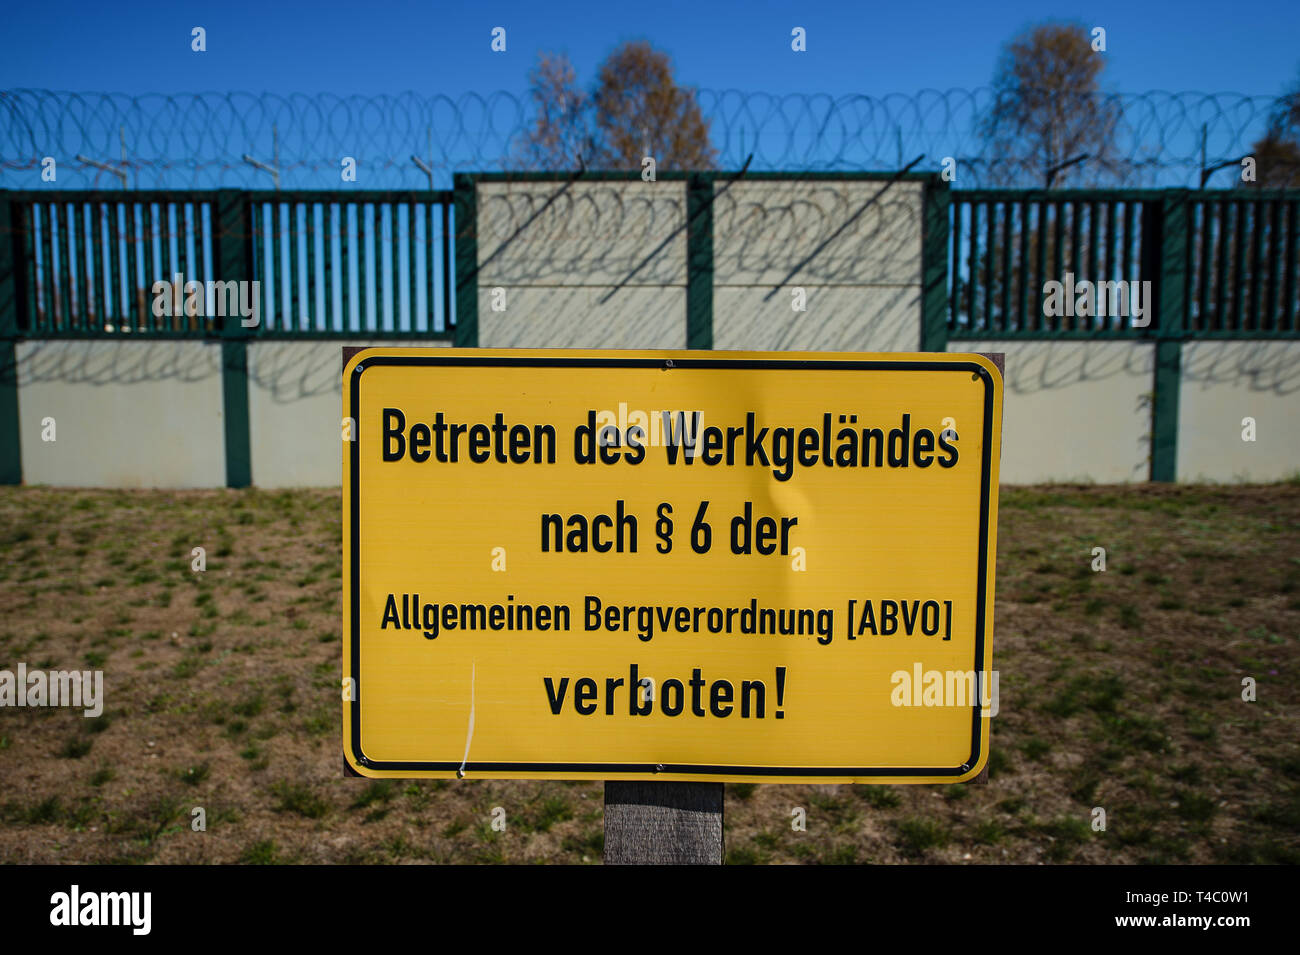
350, 264
244, 140
178, 264
1242, 265
1230, 259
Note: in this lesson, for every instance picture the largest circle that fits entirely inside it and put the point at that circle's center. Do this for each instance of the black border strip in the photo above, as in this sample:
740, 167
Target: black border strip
652, 770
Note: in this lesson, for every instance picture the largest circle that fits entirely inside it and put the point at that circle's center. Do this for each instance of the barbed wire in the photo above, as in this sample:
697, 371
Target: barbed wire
200, 140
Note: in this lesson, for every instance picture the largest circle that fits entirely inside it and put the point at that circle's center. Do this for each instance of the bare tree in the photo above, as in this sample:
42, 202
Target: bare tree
561, 129
1049, 108
1277, 154
641, 111
637, 110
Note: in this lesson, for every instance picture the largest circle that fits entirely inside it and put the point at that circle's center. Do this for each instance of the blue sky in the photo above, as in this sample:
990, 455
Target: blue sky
378, 46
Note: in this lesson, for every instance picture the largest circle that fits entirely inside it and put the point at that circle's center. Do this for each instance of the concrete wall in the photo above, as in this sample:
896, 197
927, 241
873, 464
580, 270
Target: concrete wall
1074, 411
861, 276
295, 396
126, 414
149, 414
1224, 382
144, 413
556, 268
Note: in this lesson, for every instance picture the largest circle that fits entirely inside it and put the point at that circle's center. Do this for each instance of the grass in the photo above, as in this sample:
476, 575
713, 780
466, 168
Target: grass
1121, 690
917, 835
298, 798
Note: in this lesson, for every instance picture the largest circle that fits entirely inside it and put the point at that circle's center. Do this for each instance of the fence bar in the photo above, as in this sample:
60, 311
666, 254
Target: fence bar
1112, 228
363, 270
1007, 211
1130, 228
295, 266
61, 275
991, 211
417, 253
1022, 291
1271, 322
318, 270
1058, 248
954, 283
112, 265
1204, 237
345, 279
74, 268
43, 298
1095, 273
90, 249
1292, 266
1076, 254
233, 261
431, 215
185, 214
386, 241
139, 265
448, 316
60, 307
1222, 263
315, 290
151, 251
972, 283
16, 220
1174, 256
172, 218
935, 297
1040, 320
1238, 271
1256, 229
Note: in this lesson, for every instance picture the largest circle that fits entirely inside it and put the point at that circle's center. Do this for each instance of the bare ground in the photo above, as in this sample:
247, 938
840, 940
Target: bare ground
1120, 690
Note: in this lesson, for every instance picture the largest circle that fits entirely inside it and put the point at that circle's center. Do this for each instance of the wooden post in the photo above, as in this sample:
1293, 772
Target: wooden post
663, 823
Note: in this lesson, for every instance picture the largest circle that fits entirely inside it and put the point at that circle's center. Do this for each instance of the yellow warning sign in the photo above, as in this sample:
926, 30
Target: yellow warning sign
769, 567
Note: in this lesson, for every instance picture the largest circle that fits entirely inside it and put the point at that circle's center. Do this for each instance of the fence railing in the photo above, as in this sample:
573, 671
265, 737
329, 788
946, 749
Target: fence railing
381, 263
1077, 263
1243, 265
192, 264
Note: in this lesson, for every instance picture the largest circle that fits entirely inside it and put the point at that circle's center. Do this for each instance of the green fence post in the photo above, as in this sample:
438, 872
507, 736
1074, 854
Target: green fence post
934, 265
233, 255
699, 261
465, 202
1169, 321
13, 302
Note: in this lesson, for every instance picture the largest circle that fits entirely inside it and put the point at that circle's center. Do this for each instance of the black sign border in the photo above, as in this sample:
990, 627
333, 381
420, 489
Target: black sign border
657, 770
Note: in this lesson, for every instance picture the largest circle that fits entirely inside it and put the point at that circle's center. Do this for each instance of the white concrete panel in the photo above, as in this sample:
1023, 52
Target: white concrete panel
1074, 411
762, 230
1224, 382
127, 413
568, 317
295, 400
838, 318
592, 233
